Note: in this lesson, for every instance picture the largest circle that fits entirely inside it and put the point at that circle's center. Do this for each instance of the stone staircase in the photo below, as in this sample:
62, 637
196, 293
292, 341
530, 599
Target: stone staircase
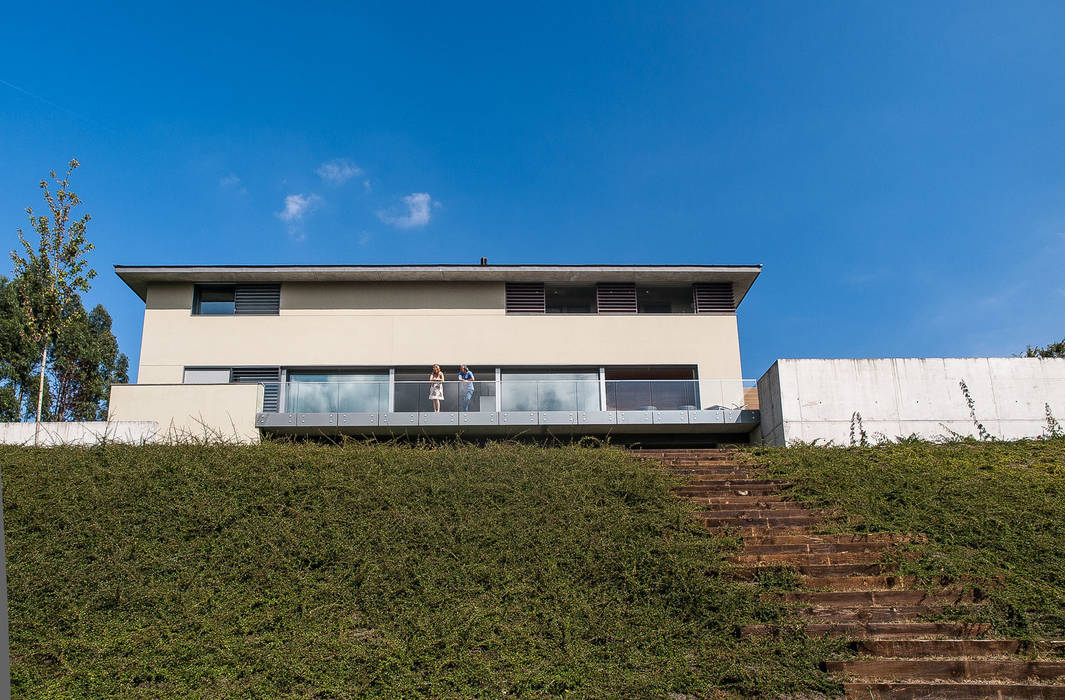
850, 590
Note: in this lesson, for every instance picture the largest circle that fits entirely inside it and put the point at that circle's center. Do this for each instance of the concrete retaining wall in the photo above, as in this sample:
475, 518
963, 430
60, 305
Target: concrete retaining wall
807, 400
85, 433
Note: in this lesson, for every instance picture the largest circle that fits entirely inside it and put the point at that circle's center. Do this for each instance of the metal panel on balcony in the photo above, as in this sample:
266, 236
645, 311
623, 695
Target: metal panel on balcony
438, 418
518, 418
479, 418
669, 417
732, 415
634, 417
317, 420
399, 419
557, 418
702, 417
597, 417
275, 420
357, 420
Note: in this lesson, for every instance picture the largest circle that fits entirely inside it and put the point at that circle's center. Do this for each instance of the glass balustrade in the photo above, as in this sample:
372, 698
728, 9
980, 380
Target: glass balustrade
543, 393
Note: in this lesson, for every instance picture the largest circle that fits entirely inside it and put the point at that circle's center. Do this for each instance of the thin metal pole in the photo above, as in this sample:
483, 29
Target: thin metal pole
5, 649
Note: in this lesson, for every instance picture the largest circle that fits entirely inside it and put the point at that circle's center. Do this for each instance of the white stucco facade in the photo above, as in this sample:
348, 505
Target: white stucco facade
341, 321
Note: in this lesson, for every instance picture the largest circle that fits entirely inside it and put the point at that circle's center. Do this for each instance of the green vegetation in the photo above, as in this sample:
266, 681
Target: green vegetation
301, 570
57, 361
993, 513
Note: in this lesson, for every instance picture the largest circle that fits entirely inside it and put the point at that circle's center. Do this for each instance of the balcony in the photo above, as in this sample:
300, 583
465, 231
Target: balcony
506, 406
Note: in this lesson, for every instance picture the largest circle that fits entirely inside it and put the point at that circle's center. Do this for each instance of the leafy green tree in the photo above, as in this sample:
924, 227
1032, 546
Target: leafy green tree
86, 363
1049, 350
18, 356
50, 276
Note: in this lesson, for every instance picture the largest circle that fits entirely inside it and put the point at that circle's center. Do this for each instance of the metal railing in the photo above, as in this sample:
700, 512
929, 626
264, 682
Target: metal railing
376, 396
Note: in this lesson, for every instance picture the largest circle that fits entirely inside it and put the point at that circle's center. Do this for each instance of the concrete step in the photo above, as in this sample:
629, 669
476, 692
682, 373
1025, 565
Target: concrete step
817, 548
729, 476
731, 488
857, 583
748, 512
766, 522
919, 648
954, 691
740, 500
882, 630
871, 599
839, 570
831, 539
950, 669
799, 560
895, 613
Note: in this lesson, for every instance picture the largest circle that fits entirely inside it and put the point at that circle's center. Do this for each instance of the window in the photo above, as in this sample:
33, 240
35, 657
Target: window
336, 392
565, 299
411, 389
549, 390
664, 300
239, 299
209, 375
656, 388
214, 301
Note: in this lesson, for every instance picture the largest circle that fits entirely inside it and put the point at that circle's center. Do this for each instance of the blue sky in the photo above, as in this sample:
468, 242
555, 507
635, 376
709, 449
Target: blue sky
898, 168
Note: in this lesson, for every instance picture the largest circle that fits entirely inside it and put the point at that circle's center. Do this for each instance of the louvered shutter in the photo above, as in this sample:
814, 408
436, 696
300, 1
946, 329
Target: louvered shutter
525, 298
257, 299
711, 297
269, 377
616, 298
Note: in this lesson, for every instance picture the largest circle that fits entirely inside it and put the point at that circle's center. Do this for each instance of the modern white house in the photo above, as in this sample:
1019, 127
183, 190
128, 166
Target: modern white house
586, 349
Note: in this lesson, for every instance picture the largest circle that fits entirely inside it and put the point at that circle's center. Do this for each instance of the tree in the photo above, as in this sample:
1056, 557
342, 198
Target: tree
50, 277
86, 363
1049, 350
18, 356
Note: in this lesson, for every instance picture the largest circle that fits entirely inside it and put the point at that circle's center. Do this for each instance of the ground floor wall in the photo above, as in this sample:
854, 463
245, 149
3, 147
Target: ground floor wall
78, 433
831, 400
213, 412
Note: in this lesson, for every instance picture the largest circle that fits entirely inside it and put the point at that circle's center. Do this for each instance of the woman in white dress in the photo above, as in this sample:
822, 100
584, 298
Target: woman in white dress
436, 387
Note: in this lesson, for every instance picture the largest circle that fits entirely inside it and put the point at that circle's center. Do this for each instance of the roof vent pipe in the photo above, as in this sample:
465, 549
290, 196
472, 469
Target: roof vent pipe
484, 261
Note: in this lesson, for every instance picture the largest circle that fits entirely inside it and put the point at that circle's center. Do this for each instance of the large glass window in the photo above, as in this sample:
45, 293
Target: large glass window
664, 300
336, 392
568, 299
214, 301
412, 389
549, 390
651, 388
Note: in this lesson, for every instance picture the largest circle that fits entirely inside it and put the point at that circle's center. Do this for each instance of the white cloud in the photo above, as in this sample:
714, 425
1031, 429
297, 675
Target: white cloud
338, 171
232, 182
418, 211
297, 206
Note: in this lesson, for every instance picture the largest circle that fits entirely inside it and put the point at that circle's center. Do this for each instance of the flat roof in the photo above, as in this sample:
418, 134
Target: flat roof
138, 277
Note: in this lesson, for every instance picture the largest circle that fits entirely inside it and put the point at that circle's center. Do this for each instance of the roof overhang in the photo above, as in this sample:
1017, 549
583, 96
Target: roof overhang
139, 277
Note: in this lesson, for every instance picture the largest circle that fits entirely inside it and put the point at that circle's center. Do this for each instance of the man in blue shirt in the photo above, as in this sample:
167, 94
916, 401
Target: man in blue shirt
466, 377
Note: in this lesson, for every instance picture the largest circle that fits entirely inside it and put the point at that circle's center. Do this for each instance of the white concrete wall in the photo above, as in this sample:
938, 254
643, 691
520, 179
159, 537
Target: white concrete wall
80, 433
807, 400
221, 412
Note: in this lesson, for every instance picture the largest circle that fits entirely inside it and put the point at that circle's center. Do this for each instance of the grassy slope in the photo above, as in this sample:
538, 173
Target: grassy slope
994, 514
383, 571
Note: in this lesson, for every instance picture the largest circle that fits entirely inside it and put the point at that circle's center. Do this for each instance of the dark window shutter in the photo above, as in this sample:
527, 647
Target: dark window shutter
616, 298
269, 377
711, 297
525, 298
259, 299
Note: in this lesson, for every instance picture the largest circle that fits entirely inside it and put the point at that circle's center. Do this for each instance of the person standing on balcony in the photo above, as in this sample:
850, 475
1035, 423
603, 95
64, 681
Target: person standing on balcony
436, 387
466, 377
